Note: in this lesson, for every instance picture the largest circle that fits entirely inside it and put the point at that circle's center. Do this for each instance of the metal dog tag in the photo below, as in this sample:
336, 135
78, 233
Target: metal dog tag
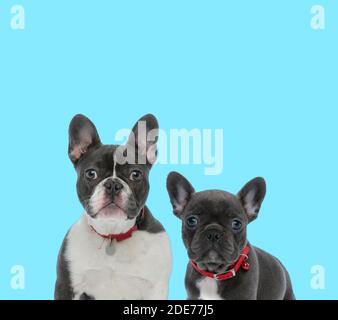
110, 248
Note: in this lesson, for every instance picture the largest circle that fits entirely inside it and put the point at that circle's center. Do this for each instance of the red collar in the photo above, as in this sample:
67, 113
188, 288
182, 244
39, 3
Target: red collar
122, 236
241, 263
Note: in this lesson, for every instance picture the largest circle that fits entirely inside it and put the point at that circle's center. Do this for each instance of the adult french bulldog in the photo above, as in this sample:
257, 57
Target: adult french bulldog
117, 250
223, 265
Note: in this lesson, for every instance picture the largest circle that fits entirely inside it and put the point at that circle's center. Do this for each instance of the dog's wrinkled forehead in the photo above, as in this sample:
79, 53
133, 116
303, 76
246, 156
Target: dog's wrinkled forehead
215, 204
102, 159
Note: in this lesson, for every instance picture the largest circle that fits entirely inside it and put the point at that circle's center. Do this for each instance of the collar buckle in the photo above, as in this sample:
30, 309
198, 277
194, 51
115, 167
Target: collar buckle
229, 275
233, 273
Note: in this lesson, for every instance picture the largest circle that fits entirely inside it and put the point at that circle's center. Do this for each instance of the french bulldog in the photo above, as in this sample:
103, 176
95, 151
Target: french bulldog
117, 250
223, 264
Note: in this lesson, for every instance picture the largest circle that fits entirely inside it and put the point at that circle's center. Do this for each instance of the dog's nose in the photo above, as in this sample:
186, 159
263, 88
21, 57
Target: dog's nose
214, 235
112, 186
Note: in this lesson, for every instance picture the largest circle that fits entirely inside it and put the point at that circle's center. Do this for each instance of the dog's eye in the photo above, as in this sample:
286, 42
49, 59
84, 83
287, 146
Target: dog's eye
236, 225
192, 221
136, 175
91, 174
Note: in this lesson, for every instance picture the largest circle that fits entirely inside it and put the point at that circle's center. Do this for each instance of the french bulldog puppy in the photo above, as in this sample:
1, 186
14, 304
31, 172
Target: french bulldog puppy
117, 250
223, 265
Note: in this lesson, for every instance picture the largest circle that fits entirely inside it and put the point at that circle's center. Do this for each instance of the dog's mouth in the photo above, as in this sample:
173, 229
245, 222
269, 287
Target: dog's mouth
214, 262
109, 209
215, 267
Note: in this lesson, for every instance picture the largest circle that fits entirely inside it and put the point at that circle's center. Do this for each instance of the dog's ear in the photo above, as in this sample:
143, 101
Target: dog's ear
252, 196
143, 140
82, 137
180, 191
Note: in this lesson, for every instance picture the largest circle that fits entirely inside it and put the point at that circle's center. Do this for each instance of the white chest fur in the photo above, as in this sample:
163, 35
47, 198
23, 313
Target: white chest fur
138, 270
208, 289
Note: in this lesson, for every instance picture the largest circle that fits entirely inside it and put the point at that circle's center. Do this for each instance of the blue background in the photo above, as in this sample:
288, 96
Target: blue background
254, 68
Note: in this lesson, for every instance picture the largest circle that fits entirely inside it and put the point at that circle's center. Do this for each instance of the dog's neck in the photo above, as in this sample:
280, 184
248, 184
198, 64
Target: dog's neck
241, 263
107, 226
